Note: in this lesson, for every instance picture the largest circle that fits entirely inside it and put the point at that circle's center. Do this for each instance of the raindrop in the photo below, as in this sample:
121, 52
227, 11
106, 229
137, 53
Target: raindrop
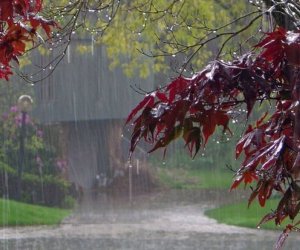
92, 45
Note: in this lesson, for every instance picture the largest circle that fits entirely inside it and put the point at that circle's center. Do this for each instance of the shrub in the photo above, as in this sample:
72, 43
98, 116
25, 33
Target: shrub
46, 189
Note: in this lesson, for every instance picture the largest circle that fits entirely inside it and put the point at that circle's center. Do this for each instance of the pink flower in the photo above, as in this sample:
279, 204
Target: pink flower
18, 119
14, 109
39, 133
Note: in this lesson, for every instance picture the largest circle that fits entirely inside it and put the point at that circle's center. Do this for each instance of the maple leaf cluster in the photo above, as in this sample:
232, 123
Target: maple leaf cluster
19, 25
192, 108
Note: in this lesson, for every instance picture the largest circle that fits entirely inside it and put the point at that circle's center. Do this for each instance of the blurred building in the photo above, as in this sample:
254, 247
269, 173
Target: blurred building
89, 103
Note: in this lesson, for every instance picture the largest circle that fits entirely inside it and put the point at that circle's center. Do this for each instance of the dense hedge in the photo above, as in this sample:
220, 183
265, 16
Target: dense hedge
48, 190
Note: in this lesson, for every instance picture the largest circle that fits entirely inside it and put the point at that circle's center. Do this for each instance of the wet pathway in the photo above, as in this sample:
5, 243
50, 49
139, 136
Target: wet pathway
174, 221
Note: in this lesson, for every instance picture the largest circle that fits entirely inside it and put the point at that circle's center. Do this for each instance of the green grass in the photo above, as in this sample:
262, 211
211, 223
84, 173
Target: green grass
240, 215
183, 178
14, 213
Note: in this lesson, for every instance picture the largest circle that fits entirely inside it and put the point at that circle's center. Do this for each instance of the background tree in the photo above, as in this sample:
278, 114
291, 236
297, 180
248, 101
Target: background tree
167, 32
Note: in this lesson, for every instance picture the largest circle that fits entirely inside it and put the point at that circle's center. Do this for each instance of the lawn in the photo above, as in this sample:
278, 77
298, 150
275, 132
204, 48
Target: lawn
240, 215
14, 213
184, 178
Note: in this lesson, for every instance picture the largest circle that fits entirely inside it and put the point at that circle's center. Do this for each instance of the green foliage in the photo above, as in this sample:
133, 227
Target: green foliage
68, 202
14, 213
39, 156
161, 29
169, 32
48, 190
42, 181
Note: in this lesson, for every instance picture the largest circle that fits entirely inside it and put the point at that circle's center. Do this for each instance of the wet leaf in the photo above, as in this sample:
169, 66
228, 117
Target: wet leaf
147, 101
20, 23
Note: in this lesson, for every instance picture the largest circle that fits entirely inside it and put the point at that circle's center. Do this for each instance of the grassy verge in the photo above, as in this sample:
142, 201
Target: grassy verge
14, 213
182, 178
240, 215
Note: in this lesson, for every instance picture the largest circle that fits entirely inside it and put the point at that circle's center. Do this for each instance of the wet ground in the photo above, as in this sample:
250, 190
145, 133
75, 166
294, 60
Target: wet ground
164, 220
